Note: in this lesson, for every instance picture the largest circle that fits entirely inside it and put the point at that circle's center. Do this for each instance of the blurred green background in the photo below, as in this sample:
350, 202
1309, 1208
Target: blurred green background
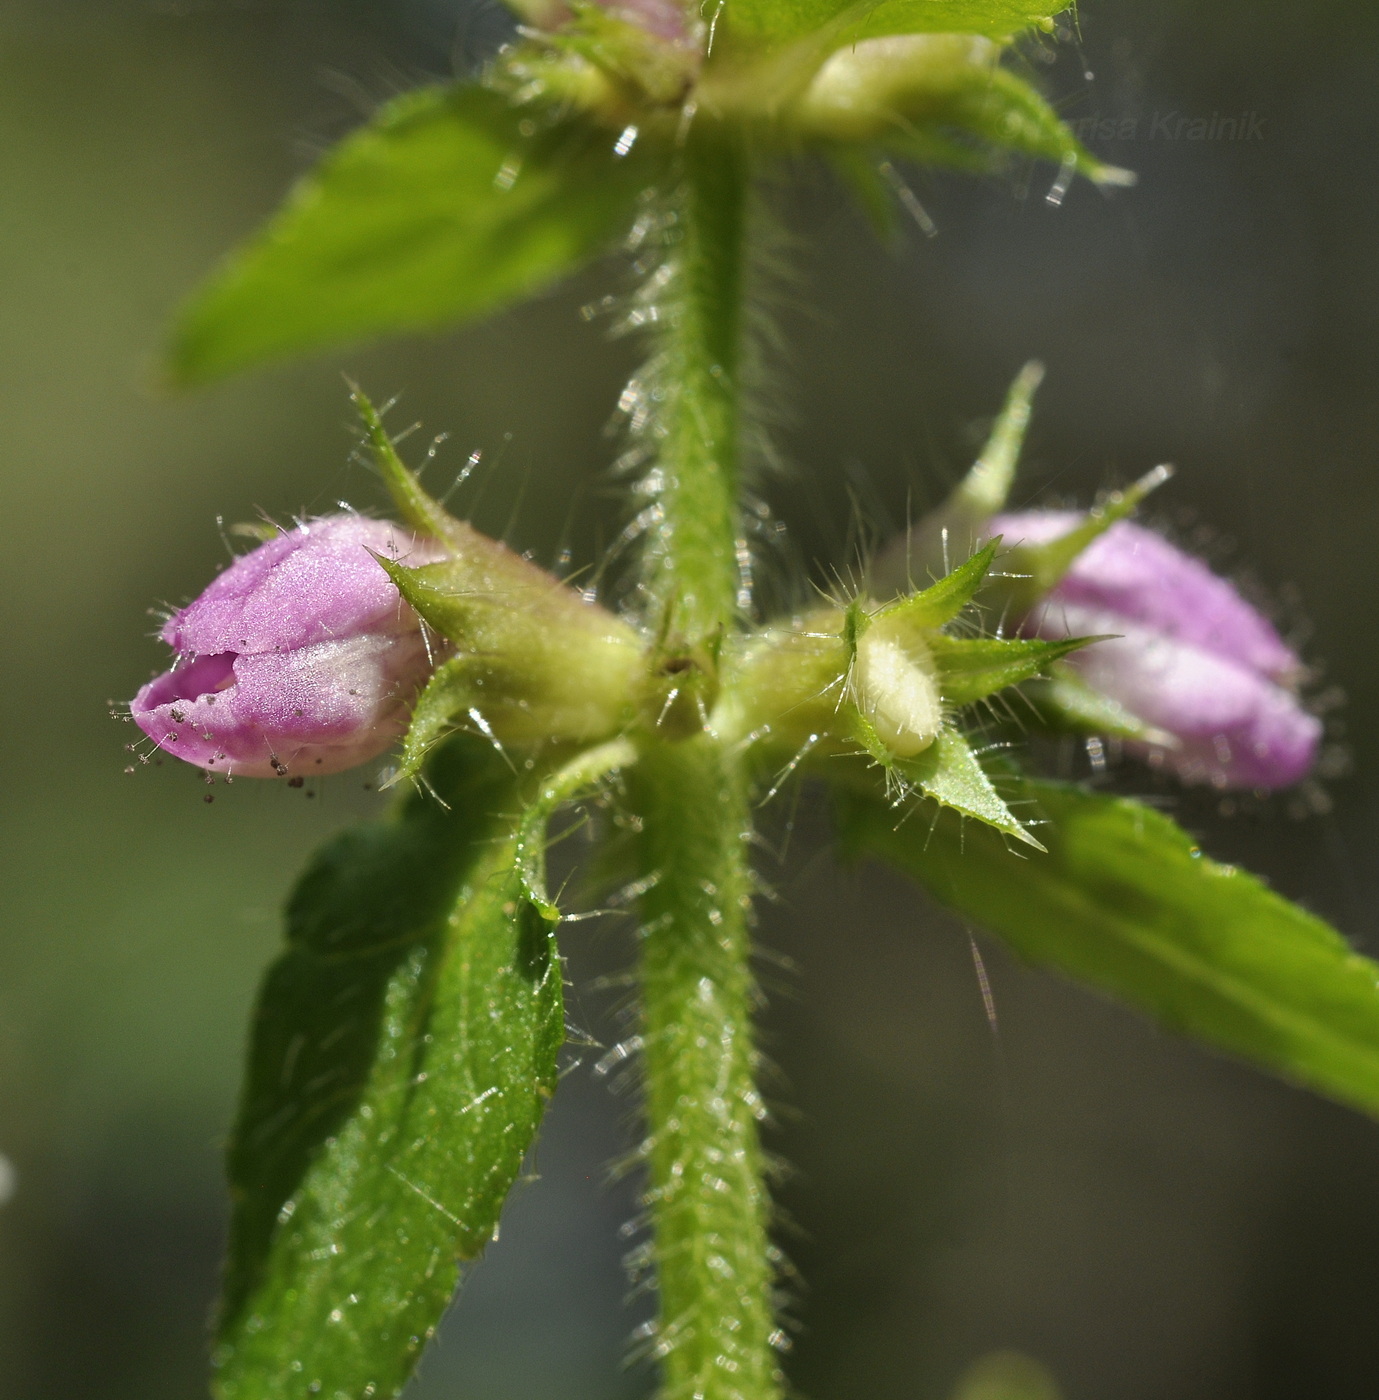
1149, 1220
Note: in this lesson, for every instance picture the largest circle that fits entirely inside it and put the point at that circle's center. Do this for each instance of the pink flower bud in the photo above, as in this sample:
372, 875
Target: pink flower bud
1192, 658
300, 658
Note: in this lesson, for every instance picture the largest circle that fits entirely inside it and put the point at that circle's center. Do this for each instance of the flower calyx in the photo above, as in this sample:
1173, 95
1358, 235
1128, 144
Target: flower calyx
523, 657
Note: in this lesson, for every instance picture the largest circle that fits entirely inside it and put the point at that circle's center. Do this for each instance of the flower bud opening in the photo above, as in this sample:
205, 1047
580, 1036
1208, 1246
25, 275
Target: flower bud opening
301, 657
897, 690
1192, 658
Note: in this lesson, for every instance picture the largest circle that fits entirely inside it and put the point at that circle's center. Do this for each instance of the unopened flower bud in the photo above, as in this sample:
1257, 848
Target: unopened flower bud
1192, 658
300, 658
897, 688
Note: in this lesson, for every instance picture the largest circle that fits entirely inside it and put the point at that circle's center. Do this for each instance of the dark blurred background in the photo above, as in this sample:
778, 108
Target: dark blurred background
1152, 1222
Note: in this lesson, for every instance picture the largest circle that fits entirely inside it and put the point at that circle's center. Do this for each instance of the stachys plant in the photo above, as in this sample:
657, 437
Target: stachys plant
405, 1044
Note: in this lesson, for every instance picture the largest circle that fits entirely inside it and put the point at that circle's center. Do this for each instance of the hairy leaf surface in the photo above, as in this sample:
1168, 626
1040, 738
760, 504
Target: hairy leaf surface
451, 203
404, 1050
1125, 901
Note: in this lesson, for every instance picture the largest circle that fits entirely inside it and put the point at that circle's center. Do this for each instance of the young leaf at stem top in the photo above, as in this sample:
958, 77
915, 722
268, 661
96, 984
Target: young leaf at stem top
451, 203
766, 24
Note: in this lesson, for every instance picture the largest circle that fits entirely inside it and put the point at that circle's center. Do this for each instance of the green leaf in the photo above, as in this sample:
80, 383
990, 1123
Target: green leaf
948, 772
404, 1050
450, 693
771, 23
1125, 901
451, 203
972, 668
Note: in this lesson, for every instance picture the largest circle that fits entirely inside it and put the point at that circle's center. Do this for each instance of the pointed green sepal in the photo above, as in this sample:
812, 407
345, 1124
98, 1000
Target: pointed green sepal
416, 507
1064, 701
863, 731
536, 660
856, 620
941, 602
1029, 571
949, 773
568, 784
970, 669
986, 487
449, 695
958, 523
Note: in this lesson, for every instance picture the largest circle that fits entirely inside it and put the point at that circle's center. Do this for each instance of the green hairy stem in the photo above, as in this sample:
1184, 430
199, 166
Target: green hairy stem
691, 557
708, 1198
708, 1201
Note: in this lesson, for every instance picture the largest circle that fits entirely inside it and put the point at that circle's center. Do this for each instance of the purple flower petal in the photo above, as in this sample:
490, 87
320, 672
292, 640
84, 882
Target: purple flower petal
316, 582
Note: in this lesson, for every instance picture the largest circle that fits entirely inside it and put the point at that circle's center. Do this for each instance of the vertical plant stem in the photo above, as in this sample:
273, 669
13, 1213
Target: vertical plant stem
709, 1204
691, 558
708, 1197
